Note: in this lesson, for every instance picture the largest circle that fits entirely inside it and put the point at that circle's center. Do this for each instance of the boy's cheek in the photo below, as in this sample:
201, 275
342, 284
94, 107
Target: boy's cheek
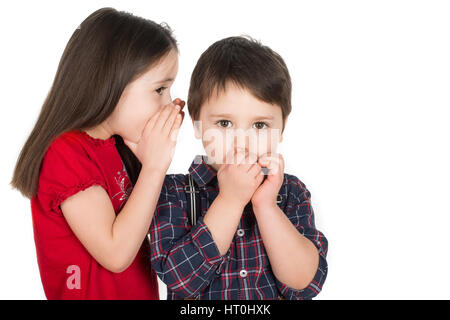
217, 147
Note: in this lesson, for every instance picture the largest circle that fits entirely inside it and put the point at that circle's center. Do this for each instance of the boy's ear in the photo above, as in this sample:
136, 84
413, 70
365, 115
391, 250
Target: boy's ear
197, 129
284, 127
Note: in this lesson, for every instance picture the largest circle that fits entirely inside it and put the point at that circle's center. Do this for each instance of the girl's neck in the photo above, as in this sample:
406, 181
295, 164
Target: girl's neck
99, 132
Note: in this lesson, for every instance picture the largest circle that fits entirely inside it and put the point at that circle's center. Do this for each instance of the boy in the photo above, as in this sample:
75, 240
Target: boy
254, 237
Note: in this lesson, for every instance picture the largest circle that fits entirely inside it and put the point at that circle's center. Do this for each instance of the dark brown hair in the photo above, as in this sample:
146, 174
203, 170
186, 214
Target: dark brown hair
107, 51
248, 64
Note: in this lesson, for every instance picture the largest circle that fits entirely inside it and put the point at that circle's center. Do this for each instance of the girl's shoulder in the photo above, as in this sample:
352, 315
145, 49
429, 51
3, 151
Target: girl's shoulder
69, 164
79, 139
68, 167
75, 147
68, 147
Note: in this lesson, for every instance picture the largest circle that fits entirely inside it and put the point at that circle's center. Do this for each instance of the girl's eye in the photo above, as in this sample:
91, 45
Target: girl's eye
260, 125
223, 123
160, 90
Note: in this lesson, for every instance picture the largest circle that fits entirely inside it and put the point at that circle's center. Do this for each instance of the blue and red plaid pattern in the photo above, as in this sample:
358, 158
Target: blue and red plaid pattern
188, 261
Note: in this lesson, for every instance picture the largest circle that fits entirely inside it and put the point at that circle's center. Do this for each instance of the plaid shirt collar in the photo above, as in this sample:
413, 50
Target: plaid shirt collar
202, 173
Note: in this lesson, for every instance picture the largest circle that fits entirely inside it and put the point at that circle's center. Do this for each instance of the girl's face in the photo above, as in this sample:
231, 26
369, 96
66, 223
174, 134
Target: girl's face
236, 120
143, 97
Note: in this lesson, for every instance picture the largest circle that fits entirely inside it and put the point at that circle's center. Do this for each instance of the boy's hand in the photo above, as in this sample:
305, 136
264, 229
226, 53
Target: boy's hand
238, 181
267, 192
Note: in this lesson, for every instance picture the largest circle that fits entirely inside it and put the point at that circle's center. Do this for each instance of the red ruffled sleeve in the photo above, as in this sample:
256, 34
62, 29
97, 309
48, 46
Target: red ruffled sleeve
67, 168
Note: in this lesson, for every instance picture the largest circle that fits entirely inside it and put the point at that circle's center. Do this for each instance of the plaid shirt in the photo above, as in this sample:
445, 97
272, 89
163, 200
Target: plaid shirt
188, 261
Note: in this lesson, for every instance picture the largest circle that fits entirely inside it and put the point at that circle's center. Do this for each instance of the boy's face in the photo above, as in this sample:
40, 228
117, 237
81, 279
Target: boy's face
235, 120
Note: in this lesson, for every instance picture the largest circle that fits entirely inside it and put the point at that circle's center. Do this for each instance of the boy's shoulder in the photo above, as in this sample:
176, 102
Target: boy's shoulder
175, 180
294, 189
293, 181
173, 187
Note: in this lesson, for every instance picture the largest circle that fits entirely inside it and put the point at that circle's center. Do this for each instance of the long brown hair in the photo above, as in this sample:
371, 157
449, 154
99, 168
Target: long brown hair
108, 50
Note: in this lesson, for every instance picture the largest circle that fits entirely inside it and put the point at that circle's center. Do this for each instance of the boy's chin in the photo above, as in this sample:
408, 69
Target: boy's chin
215, 166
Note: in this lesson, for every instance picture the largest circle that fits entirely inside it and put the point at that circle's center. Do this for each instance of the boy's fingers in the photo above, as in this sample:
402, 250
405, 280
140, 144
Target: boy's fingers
229, 156
250, 160
255, 170
272, 162
240, 157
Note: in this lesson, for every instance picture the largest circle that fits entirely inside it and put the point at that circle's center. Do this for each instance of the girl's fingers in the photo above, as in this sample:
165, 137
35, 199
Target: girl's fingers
171, 119
175, 127
152, 121
165, 113
179, 102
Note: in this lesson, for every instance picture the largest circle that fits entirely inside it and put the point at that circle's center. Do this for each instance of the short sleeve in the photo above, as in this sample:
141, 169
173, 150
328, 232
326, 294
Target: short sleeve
300, 212
67, 169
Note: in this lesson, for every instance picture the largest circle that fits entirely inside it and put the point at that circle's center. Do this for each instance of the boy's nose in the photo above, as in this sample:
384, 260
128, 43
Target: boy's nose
242, 144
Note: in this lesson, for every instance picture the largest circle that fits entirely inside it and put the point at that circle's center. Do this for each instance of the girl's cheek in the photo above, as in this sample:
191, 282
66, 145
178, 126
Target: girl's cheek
131, 126
139, 126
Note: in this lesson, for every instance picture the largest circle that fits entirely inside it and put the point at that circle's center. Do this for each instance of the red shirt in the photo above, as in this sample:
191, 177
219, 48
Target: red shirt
73, 162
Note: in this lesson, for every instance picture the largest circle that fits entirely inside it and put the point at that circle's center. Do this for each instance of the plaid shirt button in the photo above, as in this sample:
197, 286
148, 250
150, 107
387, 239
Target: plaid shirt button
187, 259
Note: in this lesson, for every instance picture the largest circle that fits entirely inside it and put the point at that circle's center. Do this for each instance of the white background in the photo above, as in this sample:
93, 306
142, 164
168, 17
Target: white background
368, 133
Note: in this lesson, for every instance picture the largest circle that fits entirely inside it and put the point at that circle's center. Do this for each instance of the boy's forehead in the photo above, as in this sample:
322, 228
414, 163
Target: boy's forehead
234, 100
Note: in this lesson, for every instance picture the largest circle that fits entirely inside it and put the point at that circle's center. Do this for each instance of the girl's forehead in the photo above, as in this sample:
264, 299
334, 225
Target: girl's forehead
163, 71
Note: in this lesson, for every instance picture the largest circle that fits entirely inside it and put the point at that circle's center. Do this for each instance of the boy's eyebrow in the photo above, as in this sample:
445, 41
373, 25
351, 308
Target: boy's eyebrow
264, 118
227, 115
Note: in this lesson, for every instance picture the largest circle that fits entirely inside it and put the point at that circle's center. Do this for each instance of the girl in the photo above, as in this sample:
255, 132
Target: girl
110, 99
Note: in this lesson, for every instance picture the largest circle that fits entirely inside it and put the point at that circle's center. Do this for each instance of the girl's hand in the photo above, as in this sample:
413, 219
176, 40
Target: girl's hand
156, 146
181, 103
267, 192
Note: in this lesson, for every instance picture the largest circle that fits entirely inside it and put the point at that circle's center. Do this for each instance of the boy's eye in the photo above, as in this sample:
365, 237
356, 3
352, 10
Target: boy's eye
223, 123
160, 90
260, 125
